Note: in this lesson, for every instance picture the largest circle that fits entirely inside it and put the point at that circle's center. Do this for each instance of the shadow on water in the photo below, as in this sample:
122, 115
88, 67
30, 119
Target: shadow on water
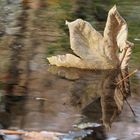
35, 97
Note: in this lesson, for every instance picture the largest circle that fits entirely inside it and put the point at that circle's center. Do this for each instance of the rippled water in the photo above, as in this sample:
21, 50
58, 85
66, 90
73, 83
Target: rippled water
35, 96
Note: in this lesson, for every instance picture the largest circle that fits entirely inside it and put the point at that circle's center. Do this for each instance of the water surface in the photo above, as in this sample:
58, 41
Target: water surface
35, 96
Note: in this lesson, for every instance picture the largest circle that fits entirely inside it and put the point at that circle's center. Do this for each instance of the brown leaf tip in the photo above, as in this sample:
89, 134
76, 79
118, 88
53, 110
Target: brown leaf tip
113, 10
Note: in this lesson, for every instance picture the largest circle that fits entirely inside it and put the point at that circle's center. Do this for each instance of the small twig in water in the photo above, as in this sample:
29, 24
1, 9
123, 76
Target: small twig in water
127, 102
14, 132
130, 107
126, 77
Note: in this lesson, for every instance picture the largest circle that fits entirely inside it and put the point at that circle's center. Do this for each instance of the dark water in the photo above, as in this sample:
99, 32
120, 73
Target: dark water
35, 96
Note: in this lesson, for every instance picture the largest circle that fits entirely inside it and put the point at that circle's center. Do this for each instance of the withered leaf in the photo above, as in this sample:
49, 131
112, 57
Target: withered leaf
93, 50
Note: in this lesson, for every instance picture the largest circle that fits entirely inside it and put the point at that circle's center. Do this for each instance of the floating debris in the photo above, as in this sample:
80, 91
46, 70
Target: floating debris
127, 76
38, 98
43, 135
86, 125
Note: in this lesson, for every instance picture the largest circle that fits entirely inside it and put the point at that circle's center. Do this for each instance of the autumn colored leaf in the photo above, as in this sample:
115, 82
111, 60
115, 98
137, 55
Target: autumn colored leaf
96, 51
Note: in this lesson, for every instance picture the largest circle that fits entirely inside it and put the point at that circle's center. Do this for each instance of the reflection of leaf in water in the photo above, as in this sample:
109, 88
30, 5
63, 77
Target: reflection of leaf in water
71, 74
91, 86
93, 49
123, 88
112, 99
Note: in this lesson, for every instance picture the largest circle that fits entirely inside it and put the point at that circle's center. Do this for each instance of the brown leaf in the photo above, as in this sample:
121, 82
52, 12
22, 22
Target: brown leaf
94, 50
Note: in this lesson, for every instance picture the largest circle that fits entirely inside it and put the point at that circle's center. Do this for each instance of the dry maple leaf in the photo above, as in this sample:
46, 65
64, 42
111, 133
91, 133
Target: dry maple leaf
94, 51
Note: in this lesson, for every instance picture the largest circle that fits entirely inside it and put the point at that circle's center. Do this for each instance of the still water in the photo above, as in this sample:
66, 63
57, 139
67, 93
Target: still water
36, 96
